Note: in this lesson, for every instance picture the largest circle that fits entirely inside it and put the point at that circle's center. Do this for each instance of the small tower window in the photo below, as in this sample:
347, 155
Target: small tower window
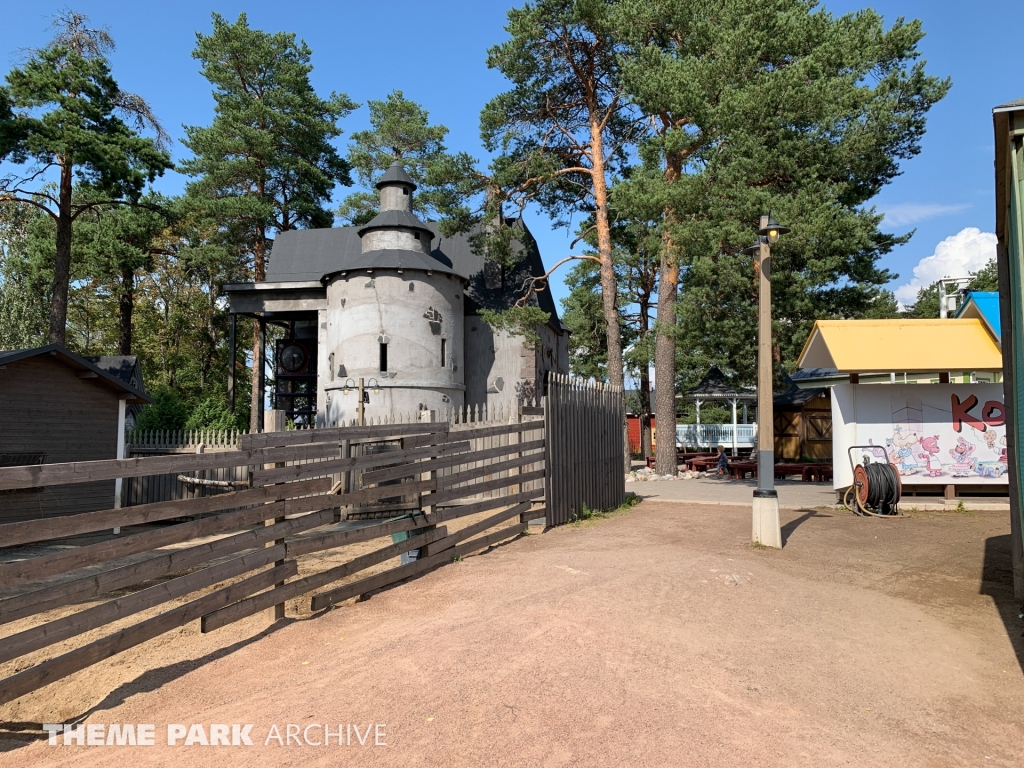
405, 191
383, 357
443, 351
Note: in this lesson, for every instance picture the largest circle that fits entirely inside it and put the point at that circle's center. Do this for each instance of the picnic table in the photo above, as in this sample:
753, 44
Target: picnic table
808, 471
682, 457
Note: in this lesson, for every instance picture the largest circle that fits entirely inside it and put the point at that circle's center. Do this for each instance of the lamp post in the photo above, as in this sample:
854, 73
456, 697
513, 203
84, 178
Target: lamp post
766, 530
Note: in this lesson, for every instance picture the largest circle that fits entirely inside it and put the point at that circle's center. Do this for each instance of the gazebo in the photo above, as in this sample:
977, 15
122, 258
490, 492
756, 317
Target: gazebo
714, 387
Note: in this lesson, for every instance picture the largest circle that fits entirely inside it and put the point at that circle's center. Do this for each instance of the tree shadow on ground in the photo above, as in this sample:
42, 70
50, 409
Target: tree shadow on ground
997, 583
14, 735
792, 525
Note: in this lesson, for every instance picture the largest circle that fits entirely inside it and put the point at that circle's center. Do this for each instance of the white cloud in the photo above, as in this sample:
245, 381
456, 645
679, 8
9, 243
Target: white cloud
905, 214
965, 252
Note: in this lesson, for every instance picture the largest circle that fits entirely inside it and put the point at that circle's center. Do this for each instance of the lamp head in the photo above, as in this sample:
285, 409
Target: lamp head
773, 230
753, 250
375, 384
349, 384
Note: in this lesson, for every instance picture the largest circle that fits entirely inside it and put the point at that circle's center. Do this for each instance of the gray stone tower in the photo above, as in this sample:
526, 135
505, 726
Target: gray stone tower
394, 318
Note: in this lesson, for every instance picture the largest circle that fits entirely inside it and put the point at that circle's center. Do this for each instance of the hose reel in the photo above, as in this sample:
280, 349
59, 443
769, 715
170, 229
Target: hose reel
877, 486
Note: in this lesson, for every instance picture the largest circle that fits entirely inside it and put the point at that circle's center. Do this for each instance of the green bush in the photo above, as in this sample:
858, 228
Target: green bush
167, 411
213, 413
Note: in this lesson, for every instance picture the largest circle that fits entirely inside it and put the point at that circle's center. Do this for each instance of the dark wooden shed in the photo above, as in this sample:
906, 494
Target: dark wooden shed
57, 407
803, 424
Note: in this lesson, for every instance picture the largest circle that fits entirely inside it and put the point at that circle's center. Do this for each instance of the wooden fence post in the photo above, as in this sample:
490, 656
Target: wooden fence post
275, 421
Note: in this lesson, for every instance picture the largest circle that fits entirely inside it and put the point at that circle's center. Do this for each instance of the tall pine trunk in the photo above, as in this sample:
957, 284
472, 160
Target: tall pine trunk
125, 310
62, 261
609, 288
645, 385
665, 343
665, 364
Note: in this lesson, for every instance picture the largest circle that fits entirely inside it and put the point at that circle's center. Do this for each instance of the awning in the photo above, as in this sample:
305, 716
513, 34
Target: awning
910, 345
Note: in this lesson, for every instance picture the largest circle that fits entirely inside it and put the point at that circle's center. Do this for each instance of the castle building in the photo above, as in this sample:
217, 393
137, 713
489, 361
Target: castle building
396, 304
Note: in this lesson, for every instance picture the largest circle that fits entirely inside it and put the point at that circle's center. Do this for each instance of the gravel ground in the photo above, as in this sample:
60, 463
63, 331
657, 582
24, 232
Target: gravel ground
655, 637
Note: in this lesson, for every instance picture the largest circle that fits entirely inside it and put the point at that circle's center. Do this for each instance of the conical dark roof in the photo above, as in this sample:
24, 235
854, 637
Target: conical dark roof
396, 175
714, 385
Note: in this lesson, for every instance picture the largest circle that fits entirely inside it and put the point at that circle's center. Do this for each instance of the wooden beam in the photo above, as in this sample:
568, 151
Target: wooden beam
451, 494
462, 510
28, 531
84, 621
308, 544
394, 473
42, 475
470, 432
369, 584
287, 474
479, 527
293, 589
337, 434
18, 571
93, 585
67, 664
443, 483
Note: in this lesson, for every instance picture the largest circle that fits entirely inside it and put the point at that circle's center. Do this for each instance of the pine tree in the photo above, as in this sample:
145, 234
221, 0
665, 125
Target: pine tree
63, 113
114, 246
765, 107
564, 128
266, 163
400, 130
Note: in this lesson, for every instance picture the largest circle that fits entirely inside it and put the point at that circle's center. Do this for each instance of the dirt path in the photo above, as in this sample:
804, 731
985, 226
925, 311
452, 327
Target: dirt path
658, 637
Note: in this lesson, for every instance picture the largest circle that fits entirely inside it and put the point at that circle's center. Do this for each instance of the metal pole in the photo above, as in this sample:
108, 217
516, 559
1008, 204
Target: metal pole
361, 421
261, 376
231, 363
766, 530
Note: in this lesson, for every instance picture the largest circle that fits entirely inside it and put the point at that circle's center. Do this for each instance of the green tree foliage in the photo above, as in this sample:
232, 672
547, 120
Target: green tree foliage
114, 246
756, 107
24, 283
564, 127
400, 130
266, 163
213, 413
61, 114
986, 278
167, 411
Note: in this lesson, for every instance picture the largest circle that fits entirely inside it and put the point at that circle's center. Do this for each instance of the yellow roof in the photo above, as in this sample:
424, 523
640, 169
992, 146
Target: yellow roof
867, 346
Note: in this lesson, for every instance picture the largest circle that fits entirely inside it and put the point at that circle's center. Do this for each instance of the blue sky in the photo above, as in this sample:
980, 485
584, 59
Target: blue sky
435, 51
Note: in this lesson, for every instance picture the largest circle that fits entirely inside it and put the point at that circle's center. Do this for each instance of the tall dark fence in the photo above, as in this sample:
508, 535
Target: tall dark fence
583, 423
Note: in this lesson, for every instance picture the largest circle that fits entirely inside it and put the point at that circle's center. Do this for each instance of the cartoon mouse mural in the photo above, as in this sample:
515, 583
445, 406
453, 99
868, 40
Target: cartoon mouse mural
931, 455
963, 461
902, 453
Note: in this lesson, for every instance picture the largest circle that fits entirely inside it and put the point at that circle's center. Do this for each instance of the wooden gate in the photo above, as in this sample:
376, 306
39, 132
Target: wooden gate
583, 424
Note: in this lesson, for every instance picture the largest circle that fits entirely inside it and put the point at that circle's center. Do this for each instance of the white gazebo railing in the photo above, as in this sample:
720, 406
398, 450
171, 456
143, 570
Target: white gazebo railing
713, 435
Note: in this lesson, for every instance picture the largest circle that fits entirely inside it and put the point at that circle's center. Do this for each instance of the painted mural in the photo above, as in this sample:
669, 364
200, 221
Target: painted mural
933, 433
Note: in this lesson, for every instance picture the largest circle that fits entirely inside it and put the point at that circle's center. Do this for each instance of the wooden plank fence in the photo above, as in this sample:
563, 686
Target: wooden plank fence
231, 553
584, 447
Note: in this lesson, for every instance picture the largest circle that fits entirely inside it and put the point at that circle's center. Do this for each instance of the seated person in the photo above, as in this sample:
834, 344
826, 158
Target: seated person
723, 461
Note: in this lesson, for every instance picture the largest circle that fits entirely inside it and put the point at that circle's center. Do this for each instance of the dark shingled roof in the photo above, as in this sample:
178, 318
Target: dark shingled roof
395, 258
396, 175
713, 385
124, 367
306, 255
393, 219
109, 379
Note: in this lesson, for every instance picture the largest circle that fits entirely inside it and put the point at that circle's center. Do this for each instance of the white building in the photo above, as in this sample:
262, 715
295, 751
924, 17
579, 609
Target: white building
395, 304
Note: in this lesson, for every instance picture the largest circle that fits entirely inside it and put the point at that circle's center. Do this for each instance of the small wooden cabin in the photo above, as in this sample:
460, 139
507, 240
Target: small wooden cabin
803, 424
57, 407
